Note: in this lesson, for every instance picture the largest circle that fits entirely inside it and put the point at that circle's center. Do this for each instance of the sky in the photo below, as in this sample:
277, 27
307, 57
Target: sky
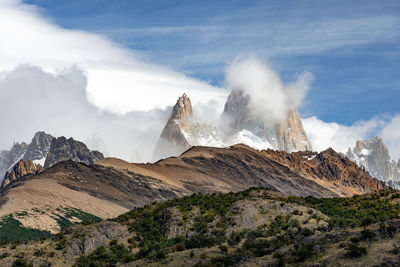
351, 47
136, 57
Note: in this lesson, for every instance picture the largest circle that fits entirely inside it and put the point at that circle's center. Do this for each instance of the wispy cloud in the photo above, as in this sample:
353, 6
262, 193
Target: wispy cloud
118, 78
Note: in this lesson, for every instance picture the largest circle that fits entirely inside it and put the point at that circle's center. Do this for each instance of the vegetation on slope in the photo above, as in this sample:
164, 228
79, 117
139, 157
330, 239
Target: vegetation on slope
258, 226
11, 228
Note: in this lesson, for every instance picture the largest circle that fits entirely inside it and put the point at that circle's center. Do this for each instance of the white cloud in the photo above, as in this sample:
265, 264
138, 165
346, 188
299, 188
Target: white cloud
269, 97
340, 137
391, 135
118, 80
86, 76
33, 100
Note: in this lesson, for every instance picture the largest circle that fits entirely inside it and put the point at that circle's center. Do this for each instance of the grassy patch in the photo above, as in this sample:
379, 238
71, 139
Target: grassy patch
64, 221
13, 230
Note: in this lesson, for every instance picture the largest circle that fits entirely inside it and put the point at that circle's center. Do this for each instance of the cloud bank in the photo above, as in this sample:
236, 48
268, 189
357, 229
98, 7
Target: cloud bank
97, 91
118, 79
32, 100
269, 98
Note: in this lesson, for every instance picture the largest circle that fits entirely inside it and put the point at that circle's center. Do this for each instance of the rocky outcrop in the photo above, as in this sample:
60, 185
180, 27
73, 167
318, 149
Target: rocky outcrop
97, 236
22, 168
287, 135
373, 156
62, 148
8, 158
45, 150
36, 151
329, 168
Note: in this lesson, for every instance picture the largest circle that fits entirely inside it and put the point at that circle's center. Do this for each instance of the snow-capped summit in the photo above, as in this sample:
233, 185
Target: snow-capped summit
374, 156
38, 148
36, 151
287, 135
182, 131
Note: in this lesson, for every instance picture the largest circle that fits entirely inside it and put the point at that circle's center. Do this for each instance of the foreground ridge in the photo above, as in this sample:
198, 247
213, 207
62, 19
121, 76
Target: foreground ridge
253, 227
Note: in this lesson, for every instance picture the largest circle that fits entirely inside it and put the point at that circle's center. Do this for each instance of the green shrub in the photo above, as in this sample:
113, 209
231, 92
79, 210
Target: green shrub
39, 252
280, 259
258, 247
21, 263
60, 245
355, 251
200, 241
4, 255
223, 248
367, 235
303, 252
387, 230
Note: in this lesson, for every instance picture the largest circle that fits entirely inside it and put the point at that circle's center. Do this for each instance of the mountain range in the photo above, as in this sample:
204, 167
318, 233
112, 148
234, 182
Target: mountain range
237, 125
42, 152
184, 130
53, 183
43, 199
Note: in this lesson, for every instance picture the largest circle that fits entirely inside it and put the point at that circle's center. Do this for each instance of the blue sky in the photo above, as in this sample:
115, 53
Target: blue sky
351, 47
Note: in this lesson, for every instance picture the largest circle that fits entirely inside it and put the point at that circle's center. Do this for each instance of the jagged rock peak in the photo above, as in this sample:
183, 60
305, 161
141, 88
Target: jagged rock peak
172, 140
20, 169
62, 148
182, 108
287, 135
373, 155
39, 146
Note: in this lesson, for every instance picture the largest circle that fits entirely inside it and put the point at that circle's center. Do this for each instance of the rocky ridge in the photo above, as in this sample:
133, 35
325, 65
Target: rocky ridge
62, 148
330, 169
373, 156
22, 168
43, 150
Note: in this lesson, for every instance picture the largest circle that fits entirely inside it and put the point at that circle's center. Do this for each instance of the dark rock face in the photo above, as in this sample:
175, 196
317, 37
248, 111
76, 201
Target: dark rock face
20, 169
44, 150
39, 147
68, 149
36, 150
